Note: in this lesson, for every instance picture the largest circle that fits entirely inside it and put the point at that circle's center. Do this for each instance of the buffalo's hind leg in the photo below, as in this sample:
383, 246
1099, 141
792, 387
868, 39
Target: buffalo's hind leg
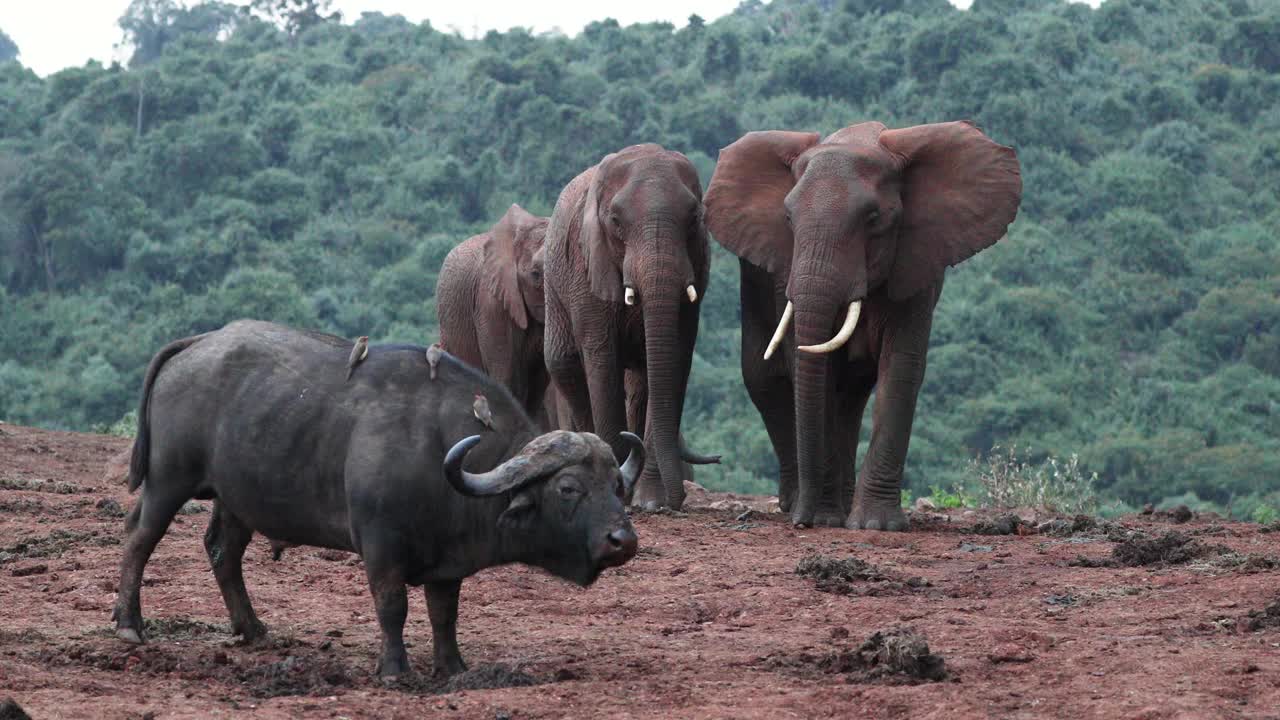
145, 525
225, 542
442, 607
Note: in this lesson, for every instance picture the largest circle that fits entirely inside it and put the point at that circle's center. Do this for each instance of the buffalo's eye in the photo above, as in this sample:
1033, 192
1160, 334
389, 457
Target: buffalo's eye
620, 490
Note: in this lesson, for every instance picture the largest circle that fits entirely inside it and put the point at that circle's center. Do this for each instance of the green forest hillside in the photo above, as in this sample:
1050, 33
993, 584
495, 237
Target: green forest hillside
316, 172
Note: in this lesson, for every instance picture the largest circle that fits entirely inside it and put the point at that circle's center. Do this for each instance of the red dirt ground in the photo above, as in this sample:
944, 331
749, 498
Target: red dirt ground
710, 620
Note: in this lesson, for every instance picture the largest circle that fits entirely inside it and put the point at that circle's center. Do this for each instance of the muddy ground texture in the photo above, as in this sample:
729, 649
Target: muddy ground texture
727, 612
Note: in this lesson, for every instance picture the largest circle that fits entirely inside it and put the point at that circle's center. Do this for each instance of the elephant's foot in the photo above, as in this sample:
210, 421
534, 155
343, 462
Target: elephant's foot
829, 518
648, 499
877, 515
786, 497
820, 518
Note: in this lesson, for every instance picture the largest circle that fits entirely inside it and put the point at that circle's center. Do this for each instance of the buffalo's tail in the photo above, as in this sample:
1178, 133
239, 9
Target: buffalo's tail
142, 442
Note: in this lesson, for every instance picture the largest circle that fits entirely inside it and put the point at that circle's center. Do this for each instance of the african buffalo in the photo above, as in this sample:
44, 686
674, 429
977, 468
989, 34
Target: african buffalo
262, 419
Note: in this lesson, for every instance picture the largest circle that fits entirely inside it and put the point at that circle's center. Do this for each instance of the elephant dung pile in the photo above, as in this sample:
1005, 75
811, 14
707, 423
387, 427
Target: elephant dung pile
897, 655
839, 576
1268, 617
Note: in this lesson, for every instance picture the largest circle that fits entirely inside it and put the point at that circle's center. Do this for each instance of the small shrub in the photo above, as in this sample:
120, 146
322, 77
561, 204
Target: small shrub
949, 499
1005, 480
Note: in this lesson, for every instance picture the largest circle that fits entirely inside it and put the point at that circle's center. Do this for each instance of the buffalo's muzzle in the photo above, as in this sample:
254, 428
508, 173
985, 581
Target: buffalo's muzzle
620, 546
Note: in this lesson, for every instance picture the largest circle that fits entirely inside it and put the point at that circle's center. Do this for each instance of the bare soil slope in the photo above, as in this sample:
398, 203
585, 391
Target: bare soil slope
712, 619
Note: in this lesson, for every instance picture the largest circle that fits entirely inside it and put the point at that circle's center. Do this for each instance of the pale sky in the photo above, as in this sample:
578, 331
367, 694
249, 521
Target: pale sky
55, 34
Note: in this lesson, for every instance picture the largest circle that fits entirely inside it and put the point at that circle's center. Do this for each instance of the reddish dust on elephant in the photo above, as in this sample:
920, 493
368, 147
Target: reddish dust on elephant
724, 613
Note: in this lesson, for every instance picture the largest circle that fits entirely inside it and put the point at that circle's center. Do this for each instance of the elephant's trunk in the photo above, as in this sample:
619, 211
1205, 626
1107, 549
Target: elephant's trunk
663, 294
814, 320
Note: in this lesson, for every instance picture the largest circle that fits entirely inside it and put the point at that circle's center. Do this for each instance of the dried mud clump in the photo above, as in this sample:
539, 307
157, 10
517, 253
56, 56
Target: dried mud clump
897, 655
1268, 617
54, 544
484, 677
1006, 524
296, 676
840, 576
1171, 548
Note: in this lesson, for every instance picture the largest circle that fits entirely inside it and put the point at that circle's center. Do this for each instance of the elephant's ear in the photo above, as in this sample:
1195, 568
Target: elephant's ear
501, 269
744, 200
960, 191
602, 266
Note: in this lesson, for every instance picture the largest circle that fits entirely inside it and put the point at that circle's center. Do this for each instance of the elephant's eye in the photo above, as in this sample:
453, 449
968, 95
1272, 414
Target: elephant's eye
787, 216
567, 490
873, 217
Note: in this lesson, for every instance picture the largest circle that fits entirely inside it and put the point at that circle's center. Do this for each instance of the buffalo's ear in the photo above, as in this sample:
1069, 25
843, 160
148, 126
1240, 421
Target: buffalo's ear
501, 271
960, 191
744, 200
519, 512
602, 264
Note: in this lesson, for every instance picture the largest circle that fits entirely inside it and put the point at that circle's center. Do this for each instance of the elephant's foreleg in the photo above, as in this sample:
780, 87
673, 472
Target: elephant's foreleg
850, 403
608, 399
877, 502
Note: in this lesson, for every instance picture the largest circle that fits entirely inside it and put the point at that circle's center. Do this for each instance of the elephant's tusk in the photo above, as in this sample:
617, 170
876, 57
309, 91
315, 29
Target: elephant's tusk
842, 337
692, 292
630, 296
781, 332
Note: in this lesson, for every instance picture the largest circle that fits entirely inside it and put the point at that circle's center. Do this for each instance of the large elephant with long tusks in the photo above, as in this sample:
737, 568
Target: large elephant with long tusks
843, 242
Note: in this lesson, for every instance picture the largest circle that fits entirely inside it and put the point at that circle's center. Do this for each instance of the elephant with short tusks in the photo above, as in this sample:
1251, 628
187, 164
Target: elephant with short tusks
842, 243
627, 260
490, 306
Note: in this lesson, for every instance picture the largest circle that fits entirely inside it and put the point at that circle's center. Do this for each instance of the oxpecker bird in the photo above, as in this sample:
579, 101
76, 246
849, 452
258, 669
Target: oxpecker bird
358, 353
481, 408
433, 357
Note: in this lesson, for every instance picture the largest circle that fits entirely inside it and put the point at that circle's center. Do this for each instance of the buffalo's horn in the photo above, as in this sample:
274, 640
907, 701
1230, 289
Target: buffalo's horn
781, 332
541, 457
842, 337
634, 464
694, 458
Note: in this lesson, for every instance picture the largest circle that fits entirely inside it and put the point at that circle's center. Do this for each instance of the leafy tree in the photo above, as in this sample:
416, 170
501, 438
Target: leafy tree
8, 48
263, 159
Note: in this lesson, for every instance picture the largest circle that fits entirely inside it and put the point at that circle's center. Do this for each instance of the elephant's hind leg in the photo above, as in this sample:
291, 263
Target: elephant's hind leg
225, 541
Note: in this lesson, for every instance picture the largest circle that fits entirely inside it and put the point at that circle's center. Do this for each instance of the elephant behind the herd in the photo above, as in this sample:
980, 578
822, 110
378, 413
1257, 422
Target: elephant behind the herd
490, 306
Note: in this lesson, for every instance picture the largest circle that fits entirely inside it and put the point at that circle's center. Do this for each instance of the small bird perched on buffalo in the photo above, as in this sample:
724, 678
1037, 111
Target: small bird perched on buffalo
481, 409
433, 357
359, 352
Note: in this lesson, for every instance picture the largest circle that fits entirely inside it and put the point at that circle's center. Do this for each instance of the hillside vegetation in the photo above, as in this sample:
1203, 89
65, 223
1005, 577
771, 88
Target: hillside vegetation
316, 172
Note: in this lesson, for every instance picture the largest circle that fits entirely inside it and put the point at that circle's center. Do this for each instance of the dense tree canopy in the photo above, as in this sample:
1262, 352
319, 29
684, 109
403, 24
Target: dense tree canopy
274, 162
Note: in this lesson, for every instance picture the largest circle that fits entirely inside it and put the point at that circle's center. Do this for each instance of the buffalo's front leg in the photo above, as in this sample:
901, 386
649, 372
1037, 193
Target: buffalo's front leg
442, 607
392, 604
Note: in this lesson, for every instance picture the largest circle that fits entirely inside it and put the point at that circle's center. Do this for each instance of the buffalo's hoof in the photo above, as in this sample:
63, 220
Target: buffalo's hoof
877, 517
391, 670
445, 669
129, 635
